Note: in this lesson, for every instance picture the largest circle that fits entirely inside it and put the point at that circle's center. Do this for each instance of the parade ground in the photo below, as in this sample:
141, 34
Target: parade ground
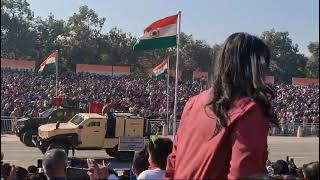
303, 150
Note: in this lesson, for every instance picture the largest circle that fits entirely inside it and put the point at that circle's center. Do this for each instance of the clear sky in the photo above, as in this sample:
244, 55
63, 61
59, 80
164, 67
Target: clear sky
209, 20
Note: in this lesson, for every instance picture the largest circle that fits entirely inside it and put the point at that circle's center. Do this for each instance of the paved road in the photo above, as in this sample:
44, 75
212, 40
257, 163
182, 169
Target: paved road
17, 153
303, 150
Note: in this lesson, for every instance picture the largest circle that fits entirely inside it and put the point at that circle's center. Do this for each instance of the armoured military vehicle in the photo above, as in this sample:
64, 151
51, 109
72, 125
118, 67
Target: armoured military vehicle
118, 136
27, 127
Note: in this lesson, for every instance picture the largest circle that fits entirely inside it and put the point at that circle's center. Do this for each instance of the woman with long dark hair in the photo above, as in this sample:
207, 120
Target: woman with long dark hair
223, 131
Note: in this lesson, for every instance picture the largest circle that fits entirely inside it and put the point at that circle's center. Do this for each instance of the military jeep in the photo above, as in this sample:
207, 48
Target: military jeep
118, 136
27, 127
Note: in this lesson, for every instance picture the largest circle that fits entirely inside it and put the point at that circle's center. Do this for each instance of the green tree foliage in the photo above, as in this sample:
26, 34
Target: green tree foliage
80, 40
312, 66
49, 33
119, 48
17, 33
286, 61
83, 39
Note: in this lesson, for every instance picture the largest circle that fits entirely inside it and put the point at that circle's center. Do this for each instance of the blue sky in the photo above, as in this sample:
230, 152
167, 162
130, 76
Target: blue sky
209, 20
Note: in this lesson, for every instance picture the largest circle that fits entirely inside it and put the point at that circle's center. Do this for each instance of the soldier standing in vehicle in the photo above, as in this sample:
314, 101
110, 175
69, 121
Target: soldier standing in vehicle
108, 111
107, 108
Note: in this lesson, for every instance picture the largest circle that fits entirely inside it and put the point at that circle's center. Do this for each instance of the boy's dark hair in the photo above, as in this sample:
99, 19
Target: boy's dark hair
32, 169
5, 169
280, 167
21, 173
40, 176
140, 161
311, 171
159, 150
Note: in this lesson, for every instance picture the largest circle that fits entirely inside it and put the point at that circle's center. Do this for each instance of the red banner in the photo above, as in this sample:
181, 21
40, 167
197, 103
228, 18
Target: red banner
120, 70
57, 101
173, 73
269, 79
17, 64
103, 69
200, 74
95, 107
305, 81
96, 69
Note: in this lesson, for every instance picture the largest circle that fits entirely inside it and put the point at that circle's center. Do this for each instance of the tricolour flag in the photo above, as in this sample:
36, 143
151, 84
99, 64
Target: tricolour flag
160, 34
49, 65
161, 68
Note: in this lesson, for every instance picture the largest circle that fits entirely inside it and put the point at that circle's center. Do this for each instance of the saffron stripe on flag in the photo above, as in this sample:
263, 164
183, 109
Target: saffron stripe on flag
162, 22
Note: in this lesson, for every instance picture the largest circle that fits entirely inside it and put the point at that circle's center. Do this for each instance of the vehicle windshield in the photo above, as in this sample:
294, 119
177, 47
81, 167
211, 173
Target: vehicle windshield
47, 112
77, 119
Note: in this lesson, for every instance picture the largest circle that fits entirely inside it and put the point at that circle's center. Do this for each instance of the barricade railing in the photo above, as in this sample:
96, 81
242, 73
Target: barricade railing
7, 123
291, 129
154, 126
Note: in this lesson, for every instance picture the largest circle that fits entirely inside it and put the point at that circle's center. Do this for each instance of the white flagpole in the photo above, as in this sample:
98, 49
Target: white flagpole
56, 73
168, 79
176, 80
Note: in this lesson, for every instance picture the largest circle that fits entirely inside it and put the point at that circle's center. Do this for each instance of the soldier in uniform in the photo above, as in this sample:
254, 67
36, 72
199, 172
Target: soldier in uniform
108, 111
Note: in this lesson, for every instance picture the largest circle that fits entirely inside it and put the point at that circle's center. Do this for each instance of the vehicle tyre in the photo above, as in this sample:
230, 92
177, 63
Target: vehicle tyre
59, 145
21, 138
27, 139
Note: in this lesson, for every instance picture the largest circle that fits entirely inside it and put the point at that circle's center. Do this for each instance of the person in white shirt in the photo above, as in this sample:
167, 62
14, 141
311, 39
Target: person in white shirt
158, 150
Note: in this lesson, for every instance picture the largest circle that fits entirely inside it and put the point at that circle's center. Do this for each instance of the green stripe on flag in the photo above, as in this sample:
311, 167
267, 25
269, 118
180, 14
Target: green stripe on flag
155, 43
48, 69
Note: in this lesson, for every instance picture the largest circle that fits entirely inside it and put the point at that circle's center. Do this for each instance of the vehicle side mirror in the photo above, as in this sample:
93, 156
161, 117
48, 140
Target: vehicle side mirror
57, 124
80, 126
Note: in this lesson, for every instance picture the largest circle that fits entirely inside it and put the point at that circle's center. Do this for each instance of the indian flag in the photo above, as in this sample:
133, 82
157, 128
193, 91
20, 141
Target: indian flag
49, 65
160, 68
160, 34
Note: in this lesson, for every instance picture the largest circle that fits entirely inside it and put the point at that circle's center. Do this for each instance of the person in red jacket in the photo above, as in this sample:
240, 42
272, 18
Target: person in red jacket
223, 131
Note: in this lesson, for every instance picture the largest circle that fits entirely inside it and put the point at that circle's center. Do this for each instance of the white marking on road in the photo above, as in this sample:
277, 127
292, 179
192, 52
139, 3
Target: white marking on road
23, 150
13, 160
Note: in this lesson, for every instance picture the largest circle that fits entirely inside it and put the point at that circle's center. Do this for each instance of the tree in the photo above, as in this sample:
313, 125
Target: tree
216, 49
49, 33
312, 66
119, 48
286, 61
17, 33
194, 54
83, 38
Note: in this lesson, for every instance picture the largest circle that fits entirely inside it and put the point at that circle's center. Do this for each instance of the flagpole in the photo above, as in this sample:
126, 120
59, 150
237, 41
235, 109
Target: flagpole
56, 73
168, 79
176, 80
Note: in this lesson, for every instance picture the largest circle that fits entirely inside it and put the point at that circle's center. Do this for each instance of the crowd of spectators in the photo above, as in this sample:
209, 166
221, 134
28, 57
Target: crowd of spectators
147, 164
26, 94
297, 104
